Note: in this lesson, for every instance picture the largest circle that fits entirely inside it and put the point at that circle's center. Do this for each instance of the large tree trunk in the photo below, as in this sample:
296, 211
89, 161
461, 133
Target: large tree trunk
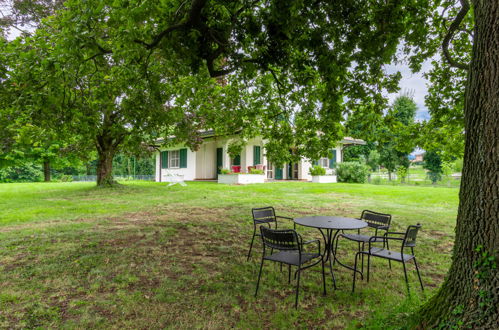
469, 296
46, 170
107, 146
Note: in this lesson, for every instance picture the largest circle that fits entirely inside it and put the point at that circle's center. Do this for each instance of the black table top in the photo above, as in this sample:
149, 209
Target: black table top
331, 222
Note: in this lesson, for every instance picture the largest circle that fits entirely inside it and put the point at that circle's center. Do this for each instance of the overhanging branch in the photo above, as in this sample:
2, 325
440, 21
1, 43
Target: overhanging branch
465, 7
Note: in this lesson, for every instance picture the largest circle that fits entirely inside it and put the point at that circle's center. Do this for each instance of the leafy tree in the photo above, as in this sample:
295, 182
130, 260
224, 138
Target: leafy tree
126, 72
433, 163
373, 160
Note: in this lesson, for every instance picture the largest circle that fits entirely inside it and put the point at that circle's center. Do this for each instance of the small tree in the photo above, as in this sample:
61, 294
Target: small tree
433, 163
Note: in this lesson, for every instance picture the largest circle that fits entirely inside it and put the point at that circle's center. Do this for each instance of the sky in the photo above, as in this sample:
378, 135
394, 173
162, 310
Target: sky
414, 83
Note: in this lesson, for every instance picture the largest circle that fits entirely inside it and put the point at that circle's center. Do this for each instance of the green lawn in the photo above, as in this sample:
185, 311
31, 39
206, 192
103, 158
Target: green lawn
149, 256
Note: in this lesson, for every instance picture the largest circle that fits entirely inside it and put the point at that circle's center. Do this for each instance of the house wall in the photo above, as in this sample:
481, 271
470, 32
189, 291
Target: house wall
206, 161
189, 173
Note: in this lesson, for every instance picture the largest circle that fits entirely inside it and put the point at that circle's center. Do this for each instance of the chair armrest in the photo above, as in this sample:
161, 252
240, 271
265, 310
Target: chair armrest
384, 239
314, 241
394, 233
288, 218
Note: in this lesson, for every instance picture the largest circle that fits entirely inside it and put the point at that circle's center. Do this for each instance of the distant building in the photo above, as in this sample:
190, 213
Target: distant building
418, 158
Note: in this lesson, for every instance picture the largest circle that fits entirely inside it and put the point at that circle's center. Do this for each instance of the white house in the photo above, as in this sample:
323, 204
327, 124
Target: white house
205, 163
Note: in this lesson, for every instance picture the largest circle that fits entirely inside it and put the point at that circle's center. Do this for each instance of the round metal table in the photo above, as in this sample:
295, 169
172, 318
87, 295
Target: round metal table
330, 224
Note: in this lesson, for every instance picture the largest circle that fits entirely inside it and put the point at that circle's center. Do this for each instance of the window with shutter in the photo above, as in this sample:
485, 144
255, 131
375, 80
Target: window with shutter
164, 159
256, 155
173, 158
183, 158
332, 160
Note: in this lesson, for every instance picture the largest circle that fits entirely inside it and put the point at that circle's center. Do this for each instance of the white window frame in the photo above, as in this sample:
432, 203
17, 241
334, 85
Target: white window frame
174, 159
324, 162
270, 170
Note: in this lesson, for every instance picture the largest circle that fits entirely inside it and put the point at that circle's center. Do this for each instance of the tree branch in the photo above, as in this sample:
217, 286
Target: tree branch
465, 7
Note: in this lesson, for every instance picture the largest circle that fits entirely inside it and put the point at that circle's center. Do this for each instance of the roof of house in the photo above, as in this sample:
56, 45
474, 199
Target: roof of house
347, 141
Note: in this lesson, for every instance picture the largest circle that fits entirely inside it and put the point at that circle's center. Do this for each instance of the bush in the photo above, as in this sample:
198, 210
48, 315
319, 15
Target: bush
225, 171
27, 172
458, 165
255, 171
376, 180
317, 170
353, 172
402, 173
66, 178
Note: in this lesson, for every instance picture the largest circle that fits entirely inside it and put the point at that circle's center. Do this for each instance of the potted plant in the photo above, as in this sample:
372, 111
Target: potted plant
228, 177
318, 174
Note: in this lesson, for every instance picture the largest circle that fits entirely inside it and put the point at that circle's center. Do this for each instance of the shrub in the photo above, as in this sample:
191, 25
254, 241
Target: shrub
376, 180
317, 170
66, 178
255, 171
27, 172
354, 172
225, 171
458, 165
402, 173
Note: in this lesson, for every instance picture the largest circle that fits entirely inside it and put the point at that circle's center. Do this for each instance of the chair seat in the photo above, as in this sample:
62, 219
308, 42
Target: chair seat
360, 238
291, 257
260, 221
392, 255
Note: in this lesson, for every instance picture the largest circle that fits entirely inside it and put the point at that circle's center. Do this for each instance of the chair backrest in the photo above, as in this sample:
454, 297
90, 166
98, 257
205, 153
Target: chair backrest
263, 214
410, 235
283, 239
376, 219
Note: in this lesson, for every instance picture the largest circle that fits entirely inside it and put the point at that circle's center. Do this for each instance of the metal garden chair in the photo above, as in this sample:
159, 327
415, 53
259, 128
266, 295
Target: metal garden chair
264, 216
408, 241
290, 246
377, 221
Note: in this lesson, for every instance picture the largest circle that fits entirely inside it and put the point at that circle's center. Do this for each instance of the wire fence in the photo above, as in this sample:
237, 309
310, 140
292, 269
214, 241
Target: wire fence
93, 178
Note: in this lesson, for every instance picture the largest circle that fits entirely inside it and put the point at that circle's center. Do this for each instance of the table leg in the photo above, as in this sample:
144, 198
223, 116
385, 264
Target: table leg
335, 259
327, 252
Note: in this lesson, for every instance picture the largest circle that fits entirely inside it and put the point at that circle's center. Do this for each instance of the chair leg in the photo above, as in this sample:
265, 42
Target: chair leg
259, 275
251, 245
355, 271
368, 266
406, 278
362, 256
323, 277
419, 276
297, 287
289, 273
389, 261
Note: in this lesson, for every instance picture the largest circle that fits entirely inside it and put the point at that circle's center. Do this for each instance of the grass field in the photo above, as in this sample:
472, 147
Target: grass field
144, 255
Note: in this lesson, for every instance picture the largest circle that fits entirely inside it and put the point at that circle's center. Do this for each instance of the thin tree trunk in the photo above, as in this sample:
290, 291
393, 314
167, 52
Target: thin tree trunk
469, 296
46, 170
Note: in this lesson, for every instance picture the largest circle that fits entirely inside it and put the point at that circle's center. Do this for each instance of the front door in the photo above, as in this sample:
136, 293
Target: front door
278, 173
220, 159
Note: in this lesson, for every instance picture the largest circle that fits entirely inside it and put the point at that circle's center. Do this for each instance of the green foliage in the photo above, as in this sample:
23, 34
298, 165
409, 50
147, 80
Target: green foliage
353, 172
373, 159
458, 165
401, 173
255, 171
317, 170
433, 163
225, 171
26, 172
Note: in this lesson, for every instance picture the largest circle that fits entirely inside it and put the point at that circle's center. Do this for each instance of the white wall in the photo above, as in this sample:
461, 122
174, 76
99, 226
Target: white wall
189, 173
206, 161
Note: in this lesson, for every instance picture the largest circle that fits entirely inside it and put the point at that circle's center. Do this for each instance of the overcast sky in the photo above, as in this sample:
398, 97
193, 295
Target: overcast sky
415, 83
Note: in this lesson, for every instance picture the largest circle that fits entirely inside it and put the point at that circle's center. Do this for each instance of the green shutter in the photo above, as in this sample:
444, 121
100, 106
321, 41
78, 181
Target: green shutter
164, 159
256, 155
183, 158
332, 160
237, 160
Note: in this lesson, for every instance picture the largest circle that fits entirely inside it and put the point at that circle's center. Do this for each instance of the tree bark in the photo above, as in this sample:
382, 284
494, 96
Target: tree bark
107, 146
46, 170
469, 296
